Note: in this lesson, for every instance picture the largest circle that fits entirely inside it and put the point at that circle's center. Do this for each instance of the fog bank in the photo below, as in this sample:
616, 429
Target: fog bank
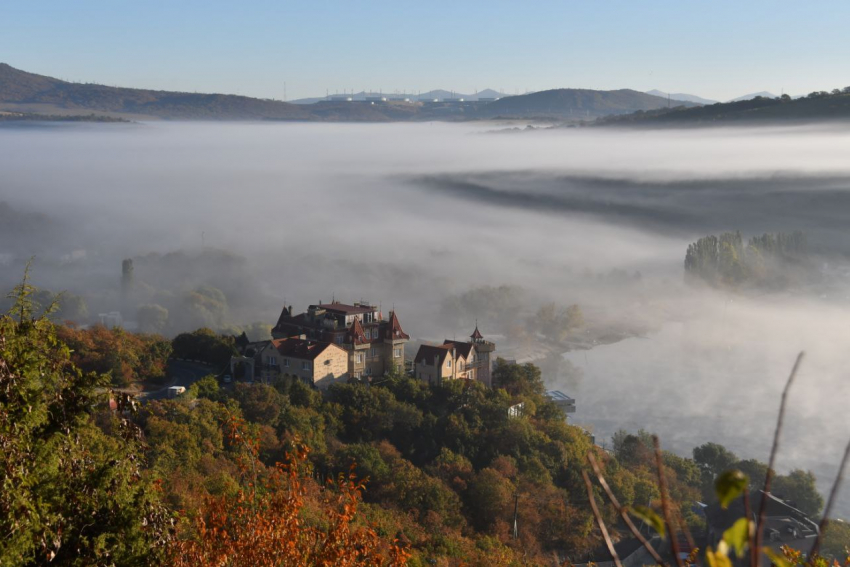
408, 215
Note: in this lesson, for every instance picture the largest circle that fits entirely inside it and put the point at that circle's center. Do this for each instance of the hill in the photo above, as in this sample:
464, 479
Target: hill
30, 94
816, 107
21, 91
681, 97
573, 103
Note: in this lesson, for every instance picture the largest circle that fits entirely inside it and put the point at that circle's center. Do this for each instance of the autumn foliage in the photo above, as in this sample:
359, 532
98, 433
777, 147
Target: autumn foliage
285, 519
125, 357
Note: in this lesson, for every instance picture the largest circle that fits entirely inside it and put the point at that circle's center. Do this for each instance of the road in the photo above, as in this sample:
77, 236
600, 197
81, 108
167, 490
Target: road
180, 373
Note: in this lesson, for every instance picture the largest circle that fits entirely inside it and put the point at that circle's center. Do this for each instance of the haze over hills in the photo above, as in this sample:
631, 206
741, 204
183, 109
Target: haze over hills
751, 96
438, 94
681, 96
575, 104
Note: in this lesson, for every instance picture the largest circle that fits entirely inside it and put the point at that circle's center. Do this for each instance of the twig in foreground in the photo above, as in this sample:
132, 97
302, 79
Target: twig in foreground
622, 511
599, 521
665, 504
768, 477
833, 495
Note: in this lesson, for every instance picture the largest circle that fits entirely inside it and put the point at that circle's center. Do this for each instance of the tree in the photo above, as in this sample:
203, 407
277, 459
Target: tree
266, 527
126, 357
152, 318
714, 459
755, 470
206, 387
798, 488
204, 345
206, 306
489, 498
518, 379
72, 489
836, 541
260, 403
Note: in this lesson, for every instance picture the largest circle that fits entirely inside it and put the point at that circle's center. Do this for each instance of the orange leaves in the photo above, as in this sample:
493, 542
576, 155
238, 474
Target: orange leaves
265, 525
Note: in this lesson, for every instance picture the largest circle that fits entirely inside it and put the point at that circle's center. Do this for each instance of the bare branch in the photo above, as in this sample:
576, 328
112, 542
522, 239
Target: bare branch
768, 477
599, 521
622, 511
665, 503
833, 496
748, 512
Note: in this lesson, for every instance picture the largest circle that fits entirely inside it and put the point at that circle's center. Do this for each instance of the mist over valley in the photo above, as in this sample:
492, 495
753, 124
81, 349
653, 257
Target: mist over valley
414, 216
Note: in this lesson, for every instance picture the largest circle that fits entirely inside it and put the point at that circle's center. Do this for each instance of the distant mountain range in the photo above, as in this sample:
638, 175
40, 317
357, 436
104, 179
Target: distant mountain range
31, 96
681, 96
24, 92
437, 94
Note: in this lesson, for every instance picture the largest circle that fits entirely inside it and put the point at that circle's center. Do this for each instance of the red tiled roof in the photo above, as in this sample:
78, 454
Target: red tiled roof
300, 348
427, 353
356, 335
394, 331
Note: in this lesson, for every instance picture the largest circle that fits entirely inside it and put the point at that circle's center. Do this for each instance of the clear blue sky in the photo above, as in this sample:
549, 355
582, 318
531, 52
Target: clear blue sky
717, 49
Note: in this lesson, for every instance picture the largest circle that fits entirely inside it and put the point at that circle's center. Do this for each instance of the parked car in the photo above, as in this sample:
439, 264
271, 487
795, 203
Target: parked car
227, 379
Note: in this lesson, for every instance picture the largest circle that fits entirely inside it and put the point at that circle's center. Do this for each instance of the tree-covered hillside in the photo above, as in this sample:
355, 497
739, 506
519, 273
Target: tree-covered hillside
394, 472
817, 106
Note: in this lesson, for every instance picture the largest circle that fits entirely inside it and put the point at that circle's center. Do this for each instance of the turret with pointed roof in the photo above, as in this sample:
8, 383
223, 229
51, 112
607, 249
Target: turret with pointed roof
476, 335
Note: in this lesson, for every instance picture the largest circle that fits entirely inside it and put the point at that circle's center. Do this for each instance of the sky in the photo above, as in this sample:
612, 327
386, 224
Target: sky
288, 49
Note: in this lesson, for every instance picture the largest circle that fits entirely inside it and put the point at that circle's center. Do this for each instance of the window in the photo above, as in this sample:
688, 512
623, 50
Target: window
448, 363
272, 361
339, 339
286, 363
305, 365
396, 352
358, 358
373, 352
368, 371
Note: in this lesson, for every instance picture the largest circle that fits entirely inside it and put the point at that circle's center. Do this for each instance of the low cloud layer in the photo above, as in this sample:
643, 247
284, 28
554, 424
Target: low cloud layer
410, 214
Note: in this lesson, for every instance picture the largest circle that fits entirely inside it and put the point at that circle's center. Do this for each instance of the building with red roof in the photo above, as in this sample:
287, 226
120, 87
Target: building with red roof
374, 345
